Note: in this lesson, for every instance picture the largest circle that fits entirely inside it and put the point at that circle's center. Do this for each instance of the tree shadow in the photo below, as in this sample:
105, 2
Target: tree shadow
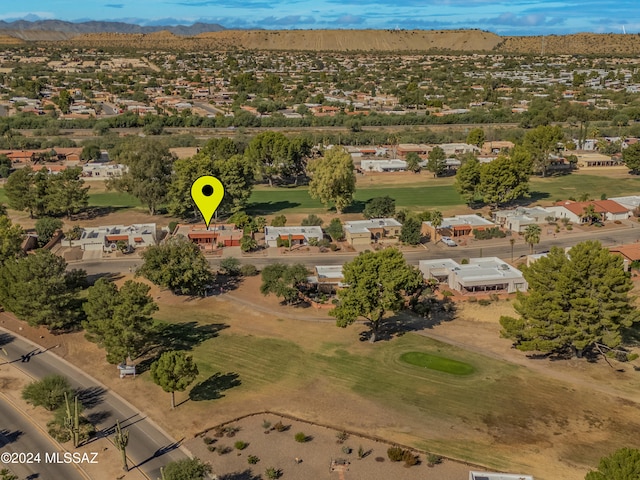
406, 321
91, 397
268, 208
96, 212
110, 276
212, 387
9, 436
96, 418
185, 336
161, 451
533, 198
357, 206
246, 475
6, 339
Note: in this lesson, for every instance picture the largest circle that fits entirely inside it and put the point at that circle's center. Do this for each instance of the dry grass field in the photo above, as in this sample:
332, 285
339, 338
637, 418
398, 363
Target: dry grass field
551, 419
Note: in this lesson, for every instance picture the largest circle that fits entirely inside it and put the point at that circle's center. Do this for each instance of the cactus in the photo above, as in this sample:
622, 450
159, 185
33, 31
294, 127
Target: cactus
122, 440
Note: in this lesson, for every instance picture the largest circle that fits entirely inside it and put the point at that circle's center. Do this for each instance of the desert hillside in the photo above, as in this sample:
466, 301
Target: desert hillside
315, 40
578, 44
6, 39
344, 40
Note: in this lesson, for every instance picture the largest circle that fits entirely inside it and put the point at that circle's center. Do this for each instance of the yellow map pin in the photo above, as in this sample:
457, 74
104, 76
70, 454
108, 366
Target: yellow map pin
207, 193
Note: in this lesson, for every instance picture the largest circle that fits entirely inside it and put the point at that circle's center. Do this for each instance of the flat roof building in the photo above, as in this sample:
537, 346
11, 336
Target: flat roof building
480, 275
363, 232
457, 226
298, 235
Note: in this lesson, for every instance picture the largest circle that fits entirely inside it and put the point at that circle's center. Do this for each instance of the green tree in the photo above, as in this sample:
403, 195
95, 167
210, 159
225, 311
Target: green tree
378, 282
505, 179
174, 371
279, 221
623, 464
5, 166
5, 474
577, 302
91, 152
532, 236
540, 143
335, 229
590, 215
468, 180
283, 281
179, 265
10, 239
631, 157
312, 220
64, 101
413, 162
20, 190
437, 162
46, 227
380, 207
120, 320
271, 156
230, 266
39, 290
476, 137
67, 193
333, 179
149, 171
248, 243
48, 392
410, 232
187, 469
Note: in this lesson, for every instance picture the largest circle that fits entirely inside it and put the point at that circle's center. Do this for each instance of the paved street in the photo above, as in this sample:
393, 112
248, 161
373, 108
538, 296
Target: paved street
148, 446
19, 435
478, 248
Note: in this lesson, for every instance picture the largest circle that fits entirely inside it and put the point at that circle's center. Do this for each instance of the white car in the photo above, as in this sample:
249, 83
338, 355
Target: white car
449, 242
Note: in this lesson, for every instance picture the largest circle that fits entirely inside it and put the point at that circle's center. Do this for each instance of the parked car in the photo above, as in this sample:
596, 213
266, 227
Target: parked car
449, 242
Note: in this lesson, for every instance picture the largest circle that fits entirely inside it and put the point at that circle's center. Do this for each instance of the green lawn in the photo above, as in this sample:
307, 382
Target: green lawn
434, 362
100, 199
555, 188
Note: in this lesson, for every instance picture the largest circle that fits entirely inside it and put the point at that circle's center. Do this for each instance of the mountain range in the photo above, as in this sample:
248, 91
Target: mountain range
80, 28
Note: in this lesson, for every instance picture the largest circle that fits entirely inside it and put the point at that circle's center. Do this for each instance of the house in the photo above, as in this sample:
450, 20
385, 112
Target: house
518, 219
630, 202
393, 165
297, 235
101, 171
496, 147
597, 160
363, 232
327, 278
457, 226
630, 253
211, 238
107, 238
497, 476
480, 275
574, 211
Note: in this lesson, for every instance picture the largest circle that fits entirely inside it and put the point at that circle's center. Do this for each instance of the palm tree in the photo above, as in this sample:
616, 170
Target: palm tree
532, 235
436, 221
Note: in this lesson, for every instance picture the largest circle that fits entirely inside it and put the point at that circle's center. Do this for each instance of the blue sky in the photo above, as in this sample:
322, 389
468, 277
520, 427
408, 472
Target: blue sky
516, 17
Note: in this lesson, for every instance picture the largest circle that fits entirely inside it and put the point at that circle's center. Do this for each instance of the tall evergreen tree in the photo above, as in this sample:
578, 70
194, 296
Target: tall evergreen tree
174, 371
468, 180
577, 302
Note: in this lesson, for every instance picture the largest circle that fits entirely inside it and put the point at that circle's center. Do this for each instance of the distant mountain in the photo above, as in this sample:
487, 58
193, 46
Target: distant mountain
72, 29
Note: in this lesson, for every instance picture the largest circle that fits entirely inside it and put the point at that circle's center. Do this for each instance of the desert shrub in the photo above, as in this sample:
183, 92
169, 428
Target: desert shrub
59, 430
300, 437
494, 297
240, 445
223, 450
219, 432
280, 427
361, 452
282, 242
333, 247
395, 453
266, 424
464, 261
447, 293
172, 226
565, 221
48, 392
569, 227
252, 459
211, 448
209, 440
484, 302
272, 473
617, 222
231, 431
473, 299
433, 459
409, 459
248, 270
493, 232
342, 437
313, 242
346, 450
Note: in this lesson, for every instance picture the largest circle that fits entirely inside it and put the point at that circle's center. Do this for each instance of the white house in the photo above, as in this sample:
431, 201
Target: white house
518, 219
574, 211
107, 238
103, 170
298, 235
630, 202
480, 275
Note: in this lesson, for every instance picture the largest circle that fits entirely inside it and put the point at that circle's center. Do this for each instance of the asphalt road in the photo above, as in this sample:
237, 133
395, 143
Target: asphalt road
478, 248
148, 447
19, 436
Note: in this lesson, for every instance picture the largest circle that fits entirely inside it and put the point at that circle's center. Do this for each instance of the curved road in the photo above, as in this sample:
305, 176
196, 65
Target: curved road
149, 447
19, 435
